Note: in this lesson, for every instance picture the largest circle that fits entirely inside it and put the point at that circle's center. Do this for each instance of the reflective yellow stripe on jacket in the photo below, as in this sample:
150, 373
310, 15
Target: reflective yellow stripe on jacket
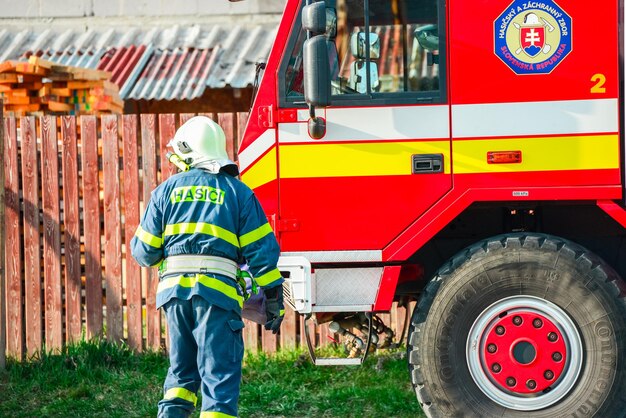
147, 238
201, 228
255, 235
216, 231
210, 282
268, 278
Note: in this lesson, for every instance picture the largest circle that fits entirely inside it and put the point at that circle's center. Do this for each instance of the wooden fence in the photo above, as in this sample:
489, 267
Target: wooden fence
3, 335
75, 190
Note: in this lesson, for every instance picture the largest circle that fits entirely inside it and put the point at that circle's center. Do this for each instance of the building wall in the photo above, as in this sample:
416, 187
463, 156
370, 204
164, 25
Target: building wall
125, 8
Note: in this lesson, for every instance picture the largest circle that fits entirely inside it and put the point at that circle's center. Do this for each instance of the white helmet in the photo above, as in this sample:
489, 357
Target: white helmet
201, 143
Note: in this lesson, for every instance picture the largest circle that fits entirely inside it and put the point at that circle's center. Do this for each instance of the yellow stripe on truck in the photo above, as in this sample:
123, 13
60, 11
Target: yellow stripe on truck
262, 171
352, 159
538, 154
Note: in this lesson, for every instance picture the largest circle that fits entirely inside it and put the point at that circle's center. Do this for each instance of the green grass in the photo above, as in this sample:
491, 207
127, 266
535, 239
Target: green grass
98, 379
288, 385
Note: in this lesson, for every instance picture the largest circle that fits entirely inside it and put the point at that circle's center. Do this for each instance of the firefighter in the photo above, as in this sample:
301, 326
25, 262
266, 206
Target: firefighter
198, 227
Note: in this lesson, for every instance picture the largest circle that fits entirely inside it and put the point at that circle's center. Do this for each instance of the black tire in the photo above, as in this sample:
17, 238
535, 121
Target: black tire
526, 265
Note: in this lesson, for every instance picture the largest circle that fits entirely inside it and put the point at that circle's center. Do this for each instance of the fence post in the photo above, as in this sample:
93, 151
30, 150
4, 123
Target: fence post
3, 318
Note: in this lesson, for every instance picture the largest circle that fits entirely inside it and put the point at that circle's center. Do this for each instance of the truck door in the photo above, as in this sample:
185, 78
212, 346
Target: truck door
385, 157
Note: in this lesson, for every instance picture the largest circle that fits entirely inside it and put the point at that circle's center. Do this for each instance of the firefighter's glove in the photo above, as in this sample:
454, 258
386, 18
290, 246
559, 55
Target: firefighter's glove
274, 308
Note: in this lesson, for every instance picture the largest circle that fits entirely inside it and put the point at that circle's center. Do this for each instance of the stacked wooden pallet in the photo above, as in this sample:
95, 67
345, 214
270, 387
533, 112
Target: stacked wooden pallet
40, 87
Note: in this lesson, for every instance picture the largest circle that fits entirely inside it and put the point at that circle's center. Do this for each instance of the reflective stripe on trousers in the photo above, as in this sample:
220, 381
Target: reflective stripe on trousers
209, 414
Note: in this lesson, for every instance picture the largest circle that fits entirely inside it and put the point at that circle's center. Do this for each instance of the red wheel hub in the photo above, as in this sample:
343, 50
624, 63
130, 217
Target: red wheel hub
524, 352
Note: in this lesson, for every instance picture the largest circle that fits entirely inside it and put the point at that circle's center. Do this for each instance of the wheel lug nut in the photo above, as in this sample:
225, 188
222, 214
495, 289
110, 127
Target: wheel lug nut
496, 368
548, 374
517, 320
510, 381
556, 356
537, 323
552, 337
531, 384
499, 330
492, 348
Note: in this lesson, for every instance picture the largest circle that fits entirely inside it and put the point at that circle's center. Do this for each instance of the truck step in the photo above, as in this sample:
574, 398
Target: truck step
338, 361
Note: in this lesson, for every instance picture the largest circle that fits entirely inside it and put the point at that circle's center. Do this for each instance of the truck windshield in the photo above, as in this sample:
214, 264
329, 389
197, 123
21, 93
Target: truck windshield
401, 55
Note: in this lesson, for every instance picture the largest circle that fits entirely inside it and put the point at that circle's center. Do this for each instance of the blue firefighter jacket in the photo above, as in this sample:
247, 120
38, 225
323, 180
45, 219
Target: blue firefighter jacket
200, 213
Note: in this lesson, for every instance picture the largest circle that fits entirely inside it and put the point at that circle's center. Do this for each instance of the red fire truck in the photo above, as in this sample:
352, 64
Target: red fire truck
470, 155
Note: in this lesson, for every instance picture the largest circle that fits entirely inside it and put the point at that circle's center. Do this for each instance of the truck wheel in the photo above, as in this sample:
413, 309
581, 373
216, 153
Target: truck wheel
521, 325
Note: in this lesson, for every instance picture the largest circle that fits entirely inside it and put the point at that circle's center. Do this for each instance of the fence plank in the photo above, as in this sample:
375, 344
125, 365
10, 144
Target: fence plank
52, 233
148, 148
288, 332
32, 242
399, 321
403, 321
393, 321
91, 205
184, 117
242, 120
3, 302
269, 341
313, 331
167, 130
227, 122
131, 216
289, 329
14, 346
112, 229
251, 336
71, 221
386, 319
324, 335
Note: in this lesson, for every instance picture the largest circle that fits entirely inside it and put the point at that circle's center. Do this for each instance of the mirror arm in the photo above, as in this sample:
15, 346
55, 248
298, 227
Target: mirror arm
368, 77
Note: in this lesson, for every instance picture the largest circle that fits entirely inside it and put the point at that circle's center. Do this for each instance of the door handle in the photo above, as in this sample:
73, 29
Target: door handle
427, 163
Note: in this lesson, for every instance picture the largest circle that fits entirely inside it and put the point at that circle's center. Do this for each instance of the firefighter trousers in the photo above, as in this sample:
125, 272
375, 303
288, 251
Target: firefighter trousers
206, 351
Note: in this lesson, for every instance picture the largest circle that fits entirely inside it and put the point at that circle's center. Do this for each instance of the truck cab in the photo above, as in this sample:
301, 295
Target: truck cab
468, 155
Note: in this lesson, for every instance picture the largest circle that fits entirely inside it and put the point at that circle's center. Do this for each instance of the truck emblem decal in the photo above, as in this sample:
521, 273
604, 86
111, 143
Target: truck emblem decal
533, 37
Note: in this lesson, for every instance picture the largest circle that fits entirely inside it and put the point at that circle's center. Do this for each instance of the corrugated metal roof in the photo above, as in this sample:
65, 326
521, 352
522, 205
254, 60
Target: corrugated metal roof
174, 74
173, 63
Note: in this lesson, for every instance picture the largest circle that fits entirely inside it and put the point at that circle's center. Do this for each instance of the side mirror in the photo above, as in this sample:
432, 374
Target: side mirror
358, 49
317, 127
358, 76
314, 17
428, 38
316, 71
316, 65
